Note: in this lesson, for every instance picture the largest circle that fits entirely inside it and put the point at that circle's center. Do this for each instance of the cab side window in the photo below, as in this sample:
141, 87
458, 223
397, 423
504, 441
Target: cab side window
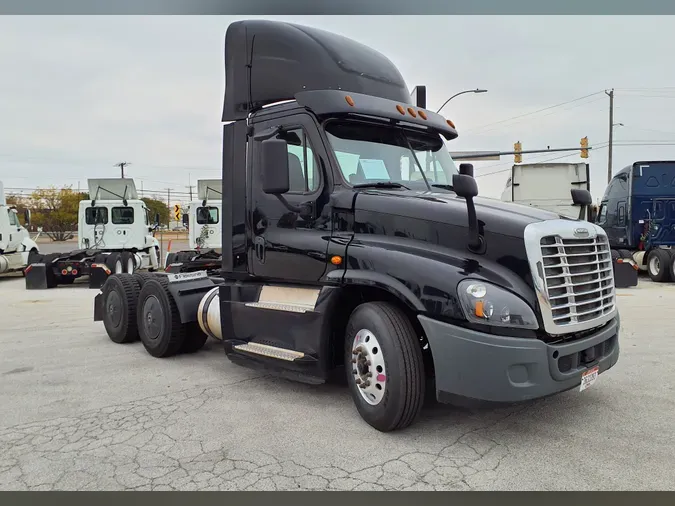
13, 219
602, 214
303, 166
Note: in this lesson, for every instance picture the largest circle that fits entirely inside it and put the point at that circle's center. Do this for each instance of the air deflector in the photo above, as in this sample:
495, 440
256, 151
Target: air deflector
271, 61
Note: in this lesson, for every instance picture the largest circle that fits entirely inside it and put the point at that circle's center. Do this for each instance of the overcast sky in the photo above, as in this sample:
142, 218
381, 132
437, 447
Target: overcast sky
79, 94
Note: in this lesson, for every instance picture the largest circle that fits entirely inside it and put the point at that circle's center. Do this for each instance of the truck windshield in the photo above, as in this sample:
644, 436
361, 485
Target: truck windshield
369, 153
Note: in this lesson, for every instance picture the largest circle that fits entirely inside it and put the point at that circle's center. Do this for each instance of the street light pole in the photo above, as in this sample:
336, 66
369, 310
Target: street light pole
477, 90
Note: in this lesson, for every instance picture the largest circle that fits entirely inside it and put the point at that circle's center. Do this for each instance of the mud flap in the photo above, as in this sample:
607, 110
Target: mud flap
98, 308
40, 277
98, 275
625, 273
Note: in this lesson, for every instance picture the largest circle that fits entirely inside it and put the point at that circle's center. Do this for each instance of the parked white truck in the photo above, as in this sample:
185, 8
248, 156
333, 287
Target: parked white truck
547, 186
115, 234
16, 246
202, 220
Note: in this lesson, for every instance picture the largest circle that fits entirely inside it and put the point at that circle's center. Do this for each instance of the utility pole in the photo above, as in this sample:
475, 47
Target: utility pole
610, 94
190, 187
121, 165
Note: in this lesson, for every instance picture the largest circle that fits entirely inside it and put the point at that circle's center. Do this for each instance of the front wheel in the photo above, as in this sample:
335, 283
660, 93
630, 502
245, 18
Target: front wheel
384, 366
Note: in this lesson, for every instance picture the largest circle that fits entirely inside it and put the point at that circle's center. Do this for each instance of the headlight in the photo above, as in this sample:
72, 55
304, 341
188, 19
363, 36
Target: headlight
488, 304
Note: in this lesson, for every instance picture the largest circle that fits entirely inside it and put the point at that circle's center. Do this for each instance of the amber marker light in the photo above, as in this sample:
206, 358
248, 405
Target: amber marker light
336, 260
412, 112
450, 123
422, 114
349, 100
400, 109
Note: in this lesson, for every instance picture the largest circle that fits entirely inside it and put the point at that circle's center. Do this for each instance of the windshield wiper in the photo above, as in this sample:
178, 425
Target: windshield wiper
444, 186
381, 184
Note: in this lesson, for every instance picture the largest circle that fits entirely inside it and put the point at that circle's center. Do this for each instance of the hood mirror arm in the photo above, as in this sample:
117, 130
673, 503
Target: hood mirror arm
465, 186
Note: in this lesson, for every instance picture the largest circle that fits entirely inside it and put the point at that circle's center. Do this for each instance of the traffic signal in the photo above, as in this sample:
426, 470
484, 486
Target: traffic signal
517, 157
584, 147
176, 212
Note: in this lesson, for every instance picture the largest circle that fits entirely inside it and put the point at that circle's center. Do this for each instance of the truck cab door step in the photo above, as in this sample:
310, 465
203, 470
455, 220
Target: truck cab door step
290, 299
278, 306
270, 351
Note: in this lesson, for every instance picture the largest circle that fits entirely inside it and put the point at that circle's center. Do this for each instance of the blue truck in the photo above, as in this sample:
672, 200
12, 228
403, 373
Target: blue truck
637, 212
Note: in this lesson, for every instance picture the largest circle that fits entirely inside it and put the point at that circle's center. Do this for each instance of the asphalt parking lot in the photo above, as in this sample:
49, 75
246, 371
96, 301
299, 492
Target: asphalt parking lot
82, 413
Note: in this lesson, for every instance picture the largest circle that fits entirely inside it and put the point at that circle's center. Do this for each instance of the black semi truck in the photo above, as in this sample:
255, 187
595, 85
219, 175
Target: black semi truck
351, 241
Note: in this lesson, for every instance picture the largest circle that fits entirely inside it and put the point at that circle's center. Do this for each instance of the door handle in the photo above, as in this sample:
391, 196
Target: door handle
259, 243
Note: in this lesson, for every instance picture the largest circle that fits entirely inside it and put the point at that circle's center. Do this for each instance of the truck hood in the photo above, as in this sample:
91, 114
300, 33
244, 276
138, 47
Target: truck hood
495, 216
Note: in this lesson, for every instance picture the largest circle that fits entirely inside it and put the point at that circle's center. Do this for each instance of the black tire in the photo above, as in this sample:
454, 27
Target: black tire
170, 258
128, 258
658, 265
141, 277
114, 262
195, 338
615, 255
34, 257
403, 364
184, 256
624, 253
671, 264
100, 258
120, 301
159, 325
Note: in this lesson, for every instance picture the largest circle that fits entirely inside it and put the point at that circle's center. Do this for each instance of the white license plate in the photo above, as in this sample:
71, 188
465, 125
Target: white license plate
588, 378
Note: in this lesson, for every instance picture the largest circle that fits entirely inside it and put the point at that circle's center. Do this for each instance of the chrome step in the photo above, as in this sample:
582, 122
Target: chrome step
290, 299
270, 351
279, 306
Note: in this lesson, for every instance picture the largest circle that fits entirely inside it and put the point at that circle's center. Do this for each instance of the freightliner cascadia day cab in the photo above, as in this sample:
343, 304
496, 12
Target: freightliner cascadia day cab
202, 220
115, 234
16, 246
339, 254
637, 213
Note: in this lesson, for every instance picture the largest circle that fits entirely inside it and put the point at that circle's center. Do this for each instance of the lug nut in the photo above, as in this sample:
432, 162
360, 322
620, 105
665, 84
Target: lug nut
369, 363
366, 384
369, 375
358, 381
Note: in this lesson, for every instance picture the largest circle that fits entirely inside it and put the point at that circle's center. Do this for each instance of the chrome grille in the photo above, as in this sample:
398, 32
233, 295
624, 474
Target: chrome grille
578, 279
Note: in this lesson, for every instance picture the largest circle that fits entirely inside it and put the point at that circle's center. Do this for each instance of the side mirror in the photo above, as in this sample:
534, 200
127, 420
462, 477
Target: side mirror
466, 169
581, 197
186, 220
274, 166
464, 185
157, 219
26, 217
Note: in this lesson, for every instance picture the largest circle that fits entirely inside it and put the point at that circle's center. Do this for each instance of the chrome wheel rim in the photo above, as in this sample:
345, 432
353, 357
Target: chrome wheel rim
654, 265
118, 267
130, 265
368, 367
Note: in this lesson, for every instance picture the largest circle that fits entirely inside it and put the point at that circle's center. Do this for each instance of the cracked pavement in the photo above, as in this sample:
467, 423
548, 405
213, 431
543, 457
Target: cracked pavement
82, 413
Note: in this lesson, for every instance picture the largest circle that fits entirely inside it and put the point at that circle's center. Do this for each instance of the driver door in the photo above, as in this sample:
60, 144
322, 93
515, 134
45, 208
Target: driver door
285, 245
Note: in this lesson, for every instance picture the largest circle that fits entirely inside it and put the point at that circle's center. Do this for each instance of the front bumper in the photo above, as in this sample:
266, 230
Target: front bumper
484, 367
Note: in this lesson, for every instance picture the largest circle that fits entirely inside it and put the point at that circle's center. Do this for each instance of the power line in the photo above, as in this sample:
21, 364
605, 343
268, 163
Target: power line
534, 112
121, 165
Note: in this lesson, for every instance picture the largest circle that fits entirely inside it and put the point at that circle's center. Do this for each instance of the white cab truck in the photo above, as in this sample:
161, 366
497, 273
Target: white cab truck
204, 231
115, 234
547, 186
16, 246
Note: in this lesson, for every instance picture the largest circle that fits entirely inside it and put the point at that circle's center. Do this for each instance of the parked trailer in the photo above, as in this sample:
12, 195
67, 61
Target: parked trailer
17, 249
547, 186
637, 212
115, 234
340, 254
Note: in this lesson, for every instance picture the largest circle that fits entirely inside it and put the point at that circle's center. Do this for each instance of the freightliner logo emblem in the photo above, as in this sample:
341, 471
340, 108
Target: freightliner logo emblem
581, 232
